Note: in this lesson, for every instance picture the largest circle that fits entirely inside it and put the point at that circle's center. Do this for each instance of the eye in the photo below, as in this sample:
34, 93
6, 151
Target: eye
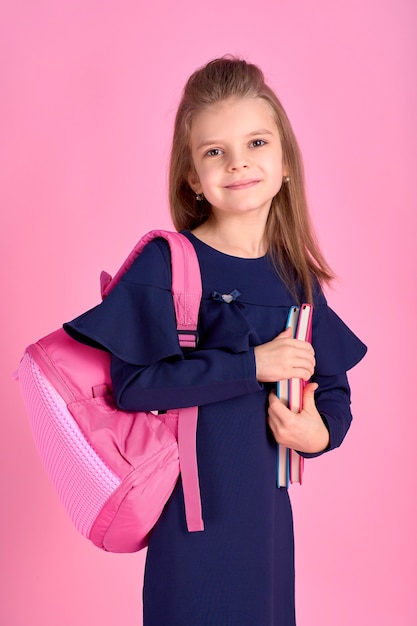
257, 143
214, 152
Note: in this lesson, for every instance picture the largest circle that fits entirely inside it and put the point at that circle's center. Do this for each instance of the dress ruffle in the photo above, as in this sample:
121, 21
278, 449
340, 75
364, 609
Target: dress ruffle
136, 322
337, 348
224, 326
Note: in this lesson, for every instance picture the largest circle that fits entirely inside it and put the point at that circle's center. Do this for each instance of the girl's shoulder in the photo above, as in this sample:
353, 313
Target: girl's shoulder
152, 266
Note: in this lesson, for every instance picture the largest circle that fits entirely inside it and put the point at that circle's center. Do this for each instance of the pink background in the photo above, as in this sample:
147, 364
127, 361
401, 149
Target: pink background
88, 93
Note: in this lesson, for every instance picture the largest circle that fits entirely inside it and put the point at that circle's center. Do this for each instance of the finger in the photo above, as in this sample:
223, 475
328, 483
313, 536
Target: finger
280, 419
288, 332
303, 373
302, 367
308, 396
277, 408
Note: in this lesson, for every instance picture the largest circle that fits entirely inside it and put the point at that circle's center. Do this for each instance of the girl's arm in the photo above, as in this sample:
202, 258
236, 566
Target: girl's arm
206, 376
200, 377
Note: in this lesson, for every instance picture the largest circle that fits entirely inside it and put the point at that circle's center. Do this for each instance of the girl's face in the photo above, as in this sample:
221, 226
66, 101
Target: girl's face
237, 156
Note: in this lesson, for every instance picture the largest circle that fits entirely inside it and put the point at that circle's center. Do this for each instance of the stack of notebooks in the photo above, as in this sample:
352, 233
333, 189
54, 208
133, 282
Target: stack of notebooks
290, 463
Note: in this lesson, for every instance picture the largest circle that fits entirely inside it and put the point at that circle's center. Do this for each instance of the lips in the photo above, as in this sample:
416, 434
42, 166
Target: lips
242, 184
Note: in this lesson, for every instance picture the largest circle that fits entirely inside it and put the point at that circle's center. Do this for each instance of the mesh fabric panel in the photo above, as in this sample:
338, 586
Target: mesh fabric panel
81, 478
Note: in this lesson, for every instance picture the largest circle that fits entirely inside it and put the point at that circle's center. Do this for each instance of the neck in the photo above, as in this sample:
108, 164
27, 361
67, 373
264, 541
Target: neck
234, 235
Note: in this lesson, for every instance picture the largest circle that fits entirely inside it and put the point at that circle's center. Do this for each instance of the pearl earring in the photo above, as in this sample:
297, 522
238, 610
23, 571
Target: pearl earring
199, 197
286, 179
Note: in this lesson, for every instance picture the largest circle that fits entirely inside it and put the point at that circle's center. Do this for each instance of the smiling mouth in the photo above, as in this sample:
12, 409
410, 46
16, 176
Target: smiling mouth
242, 184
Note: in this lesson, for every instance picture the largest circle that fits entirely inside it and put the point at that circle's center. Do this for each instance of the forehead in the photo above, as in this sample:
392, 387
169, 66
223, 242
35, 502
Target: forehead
235, 116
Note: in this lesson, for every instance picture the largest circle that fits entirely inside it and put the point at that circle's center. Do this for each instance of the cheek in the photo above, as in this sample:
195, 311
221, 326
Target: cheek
207, 174
277, 168
197, 172
276, 172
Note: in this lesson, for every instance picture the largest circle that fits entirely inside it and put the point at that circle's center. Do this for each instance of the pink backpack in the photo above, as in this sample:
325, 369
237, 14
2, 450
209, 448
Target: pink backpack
114, 470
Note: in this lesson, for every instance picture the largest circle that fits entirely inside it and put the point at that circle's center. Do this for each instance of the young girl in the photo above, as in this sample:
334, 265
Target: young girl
237, 193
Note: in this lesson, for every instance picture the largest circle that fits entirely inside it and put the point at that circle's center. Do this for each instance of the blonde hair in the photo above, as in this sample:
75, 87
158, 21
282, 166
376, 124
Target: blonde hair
289, 234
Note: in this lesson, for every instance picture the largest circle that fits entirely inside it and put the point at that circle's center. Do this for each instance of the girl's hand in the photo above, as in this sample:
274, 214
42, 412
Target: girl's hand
304, 431
284, 358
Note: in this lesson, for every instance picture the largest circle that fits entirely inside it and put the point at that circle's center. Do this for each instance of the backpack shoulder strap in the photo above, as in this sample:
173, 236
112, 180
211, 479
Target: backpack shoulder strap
186, 292
186, 281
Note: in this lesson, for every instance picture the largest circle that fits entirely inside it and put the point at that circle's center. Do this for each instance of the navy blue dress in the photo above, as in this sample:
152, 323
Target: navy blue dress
240, 570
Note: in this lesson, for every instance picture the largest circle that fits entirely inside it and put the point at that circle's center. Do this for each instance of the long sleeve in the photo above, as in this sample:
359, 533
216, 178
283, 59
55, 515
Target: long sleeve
337, 350
200, 377
333, 403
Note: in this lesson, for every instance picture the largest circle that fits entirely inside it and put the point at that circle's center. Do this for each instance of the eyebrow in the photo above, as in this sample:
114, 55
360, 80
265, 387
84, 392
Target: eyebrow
211, 142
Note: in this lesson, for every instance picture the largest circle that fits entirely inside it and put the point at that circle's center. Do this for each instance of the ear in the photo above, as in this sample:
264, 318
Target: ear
285, 171
194, 181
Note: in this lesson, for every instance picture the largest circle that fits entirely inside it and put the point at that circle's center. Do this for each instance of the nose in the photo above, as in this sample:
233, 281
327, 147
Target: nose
237, 161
